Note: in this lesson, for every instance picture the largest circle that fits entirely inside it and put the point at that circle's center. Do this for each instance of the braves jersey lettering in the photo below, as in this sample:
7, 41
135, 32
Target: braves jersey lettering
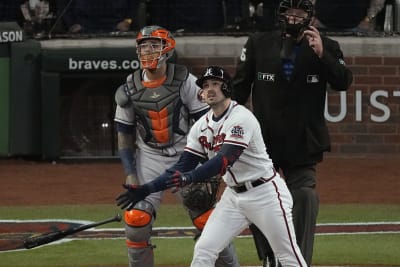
213, 145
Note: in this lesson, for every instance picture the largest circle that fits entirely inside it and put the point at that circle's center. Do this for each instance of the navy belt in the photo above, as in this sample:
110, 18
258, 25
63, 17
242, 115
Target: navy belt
259, 181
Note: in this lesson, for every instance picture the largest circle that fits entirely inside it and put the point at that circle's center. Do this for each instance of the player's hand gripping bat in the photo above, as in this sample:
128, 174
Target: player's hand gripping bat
35, 241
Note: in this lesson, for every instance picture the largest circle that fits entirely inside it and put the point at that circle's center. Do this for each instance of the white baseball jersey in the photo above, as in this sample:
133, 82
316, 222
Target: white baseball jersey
268, 205
239, 127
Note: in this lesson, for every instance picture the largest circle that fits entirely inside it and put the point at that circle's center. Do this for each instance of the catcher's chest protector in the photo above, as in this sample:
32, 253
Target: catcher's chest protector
158, 110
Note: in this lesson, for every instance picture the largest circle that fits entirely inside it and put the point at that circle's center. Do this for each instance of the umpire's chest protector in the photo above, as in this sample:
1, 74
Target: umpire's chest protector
159, 110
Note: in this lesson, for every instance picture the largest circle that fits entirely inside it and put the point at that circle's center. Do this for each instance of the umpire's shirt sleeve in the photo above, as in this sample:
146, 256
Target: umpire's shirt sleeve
243, 80
338, 75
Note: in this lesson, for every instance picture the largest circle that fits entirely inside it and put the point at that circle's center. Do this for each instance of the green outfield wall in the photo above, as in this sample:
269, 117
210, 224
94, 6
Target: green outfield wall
4, 99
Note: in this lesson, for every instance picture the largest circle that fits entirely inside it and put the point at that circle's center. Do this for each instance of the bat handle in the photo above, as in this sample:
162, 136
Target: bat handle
117, 218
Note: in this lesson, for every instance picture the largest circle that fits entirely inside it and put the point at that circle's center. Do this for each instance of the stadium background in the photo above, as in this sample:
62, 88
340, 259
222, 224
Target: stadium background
56, 90
56, 111
57, 95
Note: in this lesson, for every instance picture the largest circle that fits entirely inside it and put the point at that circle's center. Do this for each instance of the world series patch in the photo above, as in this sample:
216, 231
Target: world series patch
237, 131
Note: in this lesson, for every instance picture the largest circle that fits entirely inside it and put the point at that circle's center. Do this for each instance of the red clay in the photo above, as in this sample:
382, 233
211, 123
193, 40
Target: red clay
29, 183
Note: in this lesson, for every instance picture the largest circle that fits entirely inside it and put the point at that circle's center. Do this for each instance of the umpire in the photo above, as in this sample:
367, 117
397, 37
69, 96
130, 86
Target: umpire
286, 72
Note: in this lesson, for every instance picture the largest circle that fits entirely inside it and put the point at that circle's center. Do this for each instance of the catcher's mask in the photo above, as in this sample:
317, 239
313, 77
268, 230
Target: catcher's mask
294, 23
215, 72
154, 45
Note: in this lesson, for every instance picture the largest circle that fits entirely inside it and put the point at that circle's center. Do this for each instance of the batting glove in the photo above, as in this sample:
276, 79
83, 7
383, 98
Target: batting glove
133, 195
178, 179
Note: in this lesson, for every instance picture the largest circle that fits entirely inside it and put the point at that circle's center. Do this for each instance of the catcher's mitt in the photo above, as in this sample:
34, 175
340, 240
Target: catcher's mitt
200, 197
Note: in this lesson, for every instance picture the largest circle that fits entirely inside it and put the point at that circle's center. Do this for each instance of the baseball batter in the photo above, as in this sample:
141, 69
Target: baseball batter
157, 105
228, 141
286, 74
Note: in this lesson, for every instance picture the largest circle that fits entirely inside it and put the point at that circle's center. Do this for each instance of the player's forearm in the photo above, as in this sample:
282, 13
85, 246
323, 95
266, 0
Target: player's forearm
217, 165
126, 152
127, 160
187, 162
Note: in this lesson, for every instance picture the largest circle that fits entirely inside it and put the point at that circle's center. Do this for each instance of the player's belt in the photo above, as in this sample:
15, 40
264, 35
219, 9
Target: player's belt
259, 181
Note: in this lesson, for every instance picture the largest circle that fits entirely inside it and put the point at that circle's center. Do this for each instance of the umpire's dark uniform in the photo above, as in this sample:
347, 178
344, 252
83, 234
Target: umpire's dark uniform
291, 113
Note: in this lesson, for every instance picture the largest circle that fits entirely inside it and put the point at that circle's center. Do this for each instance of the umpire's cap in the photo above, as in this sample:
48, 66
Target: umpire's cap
216, 72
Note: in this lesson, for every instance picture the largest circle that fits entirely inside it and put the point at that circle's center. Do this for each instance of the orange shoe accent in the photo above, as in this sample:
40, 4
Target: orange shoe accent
159, 122
137, 218
132, 244
201, 220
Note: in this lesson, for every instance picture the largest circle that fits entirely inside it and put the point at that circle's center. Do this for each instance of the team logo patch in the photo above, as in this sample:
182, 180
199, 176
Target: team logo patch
155, 95
312, 78
237, 132
268, 77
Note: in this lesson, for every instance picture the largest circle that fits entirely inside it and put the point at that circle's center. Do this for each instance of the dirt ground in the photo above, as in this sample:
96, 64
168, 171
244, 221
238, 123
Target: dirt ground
29, 183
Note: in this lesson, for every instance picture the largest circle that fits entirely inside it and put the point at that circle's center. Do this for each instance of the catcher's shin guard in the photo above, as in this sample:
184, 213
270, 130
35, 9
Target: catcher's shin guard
263, 247
227, 257
138, 225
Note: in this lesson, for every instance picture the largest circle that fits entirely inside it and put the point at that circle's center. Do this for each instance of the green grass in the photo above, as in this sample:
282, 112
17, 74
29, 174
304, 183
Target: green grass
329, 250
359, 213
175, 215
357, 249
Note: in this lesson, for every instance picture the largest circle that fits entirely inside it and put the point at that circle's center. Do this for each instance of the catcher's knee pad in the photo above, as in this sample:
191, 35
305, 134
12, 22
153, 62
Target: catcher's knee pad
200, 199
200, 220
138, 224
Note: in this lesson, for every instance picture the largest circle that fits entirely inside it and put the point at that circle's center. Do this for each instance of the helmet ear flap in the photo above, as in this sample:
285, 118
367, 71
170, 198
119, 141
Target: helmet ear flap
226, 89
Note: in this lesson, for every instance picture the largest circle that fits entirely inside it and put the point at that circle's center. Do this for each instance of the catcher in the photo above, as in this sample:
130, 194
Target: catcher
155, 109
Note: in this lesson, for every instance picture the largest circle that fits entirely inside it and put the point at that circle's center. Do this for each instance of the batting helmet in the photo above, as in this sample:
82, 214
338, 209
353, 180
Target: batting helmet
294, 29
215, 72
164, 51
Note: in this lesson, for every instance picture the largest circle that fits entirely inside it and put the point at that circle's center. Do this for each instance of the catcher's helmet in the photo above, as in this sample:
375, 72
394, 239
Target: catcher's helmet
294, 29
165, 50
215, 72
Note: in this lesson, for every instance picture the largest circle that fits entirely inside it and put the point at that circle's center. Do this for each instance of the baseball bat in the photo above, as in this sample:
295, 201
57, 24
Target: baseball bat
35, 241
